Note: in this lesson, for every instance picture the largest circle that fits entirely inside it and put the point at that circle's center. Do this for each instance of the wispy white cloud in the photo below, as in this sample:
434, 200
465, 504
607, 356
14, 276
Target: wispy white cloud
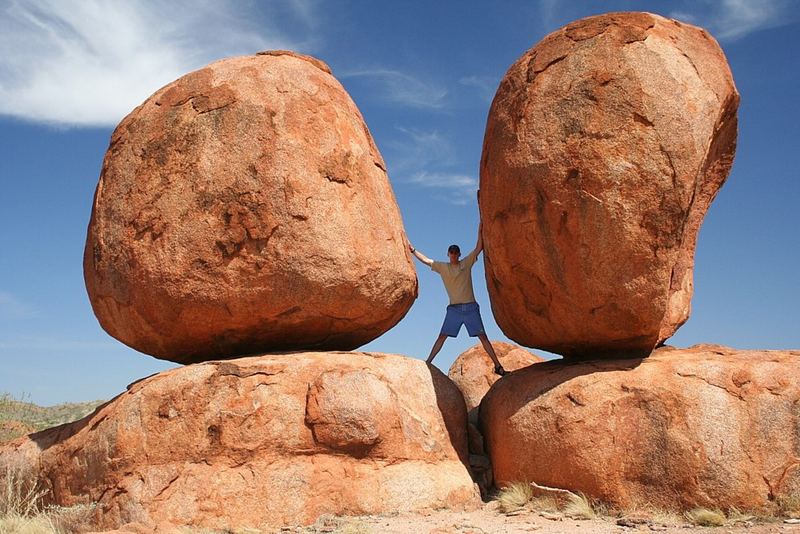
12, 307
417, 149
305, 10
486, 85
737, 18
684, 16
459, 189
426, 159
548, 14
729, 20
400, 88
90, 62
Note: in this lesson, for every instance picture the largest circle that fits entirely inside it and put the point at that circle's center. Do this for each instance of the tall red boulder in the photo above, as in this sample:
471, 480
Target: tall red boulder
245, 208
706, 426
262, 442
605, 144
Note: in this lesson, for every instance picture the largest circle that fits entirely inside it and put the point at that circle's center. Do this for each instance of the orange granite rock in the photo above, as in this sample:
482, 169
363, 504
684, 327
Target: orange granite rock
262, 442
245, 208
473, 370
605, 145
706, 426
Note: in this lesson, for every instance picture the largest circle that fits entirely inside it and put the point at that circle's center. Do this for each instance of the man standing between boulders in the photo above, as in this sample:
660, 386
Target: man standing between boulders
463, 309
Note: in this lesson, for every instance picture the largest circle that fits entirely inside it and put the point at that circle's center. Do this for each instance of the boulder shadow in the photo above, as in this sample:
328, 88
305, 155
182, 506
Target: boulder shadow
447, 404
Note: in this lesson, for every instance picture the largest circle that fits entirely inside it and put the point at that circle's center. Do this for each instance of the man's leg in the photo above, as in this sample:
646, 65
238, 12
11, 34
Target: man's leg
487, 346
437, 346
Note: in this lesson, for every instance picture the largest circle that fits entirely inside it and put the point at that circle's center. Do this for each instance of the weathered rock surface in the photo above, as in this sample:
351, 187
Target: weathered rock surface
473, 370
263, 441
705, 426
605, 144
245, 208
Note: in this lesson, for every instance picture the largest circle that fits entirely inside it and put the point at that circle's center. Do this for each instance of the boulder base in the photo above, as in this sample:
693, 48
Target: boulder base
605, 145
263, 442
705, 426
244, 208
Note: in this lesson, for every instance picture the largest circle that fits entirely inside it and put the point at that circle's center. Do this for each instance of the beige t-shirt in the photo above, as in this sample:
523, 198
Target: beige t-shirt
457, 278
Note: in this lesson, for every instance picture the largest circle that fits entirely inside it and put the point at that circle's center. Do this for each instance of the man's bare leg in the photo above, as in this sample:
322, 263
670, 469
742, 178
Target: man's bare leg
487, 346
437, 346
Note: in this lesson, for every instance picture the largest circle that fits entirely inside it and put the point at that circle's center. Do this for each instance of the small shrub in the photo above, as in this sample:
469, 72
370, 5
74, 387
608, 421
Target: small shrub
579, 507
703, 517
514, 496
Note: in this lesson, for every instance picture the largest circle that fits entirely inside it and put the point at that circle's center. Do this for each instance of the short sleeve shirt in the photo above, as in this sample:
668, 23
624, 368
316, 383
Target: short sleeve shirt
457, 278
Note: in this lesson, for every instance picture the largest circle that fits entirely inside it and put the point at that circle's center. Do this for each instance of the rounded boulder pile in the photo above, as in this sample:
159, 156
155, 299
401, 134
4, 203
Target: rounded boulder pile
245, 208
261, 442
708, 426
604, 147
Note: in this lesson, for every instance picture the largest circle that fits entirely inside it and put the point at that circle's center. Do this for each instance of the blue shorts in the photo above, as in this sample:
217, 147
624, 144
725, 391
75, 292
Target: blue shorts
468, 314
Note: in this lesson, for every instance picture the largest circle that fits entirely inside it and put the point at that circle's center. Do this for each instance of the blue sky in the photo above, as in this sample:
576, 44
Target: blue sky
423, 74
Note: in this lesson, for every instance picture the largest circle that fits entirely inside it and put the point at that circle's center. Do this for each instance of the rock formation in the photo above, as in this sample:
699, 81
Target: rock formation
263, 442
245, 208
473, 373
705, 426
473, 370
605, 144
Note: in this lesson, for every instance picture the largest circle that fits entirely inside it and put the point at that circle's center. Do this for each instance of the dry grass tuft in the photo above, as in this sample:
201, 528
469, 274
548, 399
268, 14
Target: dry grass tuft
703, 517
22, 509
579, 507
353, 527
544, 503
788, 506
20, 494
514, 496
27, 525
76, 518
737, 516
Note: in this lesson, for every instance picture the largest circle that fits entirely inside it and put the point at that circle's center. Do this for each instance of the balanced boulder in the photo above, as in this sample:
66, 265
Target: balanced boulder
604, 147
245, 208
262, 442
707, 426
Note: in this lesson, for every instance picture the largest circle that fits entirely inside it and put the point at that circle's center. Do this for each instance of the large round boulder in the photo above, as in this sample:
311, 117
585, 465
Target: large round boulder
262, 442
605, 145
244, 208
707, 426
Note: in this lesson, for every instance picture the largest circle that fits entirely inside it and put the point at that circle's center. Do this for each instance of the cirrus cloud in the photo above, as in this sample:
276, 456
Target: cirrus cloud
90, 62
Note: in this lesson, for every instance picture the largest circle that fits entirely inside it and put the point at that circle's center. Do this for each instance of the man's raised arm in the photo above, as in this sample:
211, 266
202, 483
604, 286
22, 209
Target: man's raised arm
472, 256
420, 256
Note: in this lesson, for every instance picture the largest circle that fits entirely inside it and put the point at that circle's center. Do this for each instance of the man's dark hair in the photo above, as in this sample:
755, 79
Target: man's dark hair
453, 248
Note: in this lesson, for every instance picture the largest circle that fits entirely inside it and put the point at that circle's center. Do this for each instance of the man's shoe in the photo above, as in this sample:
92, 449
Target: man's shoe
498, 370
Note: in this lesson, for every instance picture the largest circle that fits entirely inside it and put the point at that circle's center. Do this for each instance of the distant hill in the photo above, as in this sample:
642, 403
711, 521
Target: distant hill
18, 417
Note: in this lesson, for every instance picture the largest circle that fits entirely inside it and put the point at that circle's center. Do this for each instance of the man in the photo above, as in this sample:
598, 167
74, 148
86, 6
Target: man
457, 278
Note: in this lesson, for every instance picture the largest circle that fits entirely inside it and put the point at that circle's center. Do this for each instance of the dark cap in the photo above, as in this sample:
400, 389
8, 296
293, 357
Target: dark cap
453, 248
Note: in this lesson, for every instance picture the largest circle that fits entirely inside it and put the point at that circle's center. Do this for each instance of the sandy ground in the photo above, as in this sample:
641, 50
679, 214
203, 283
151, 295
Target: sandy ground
489, 521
